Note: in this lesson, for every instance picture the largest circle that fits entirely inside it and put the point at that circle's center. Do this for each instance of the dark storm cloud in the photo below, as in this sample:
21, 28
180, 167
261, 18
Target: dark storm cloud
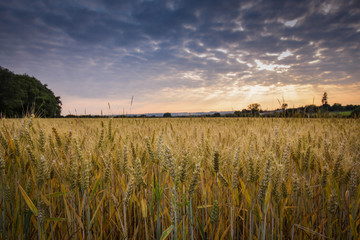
147, 44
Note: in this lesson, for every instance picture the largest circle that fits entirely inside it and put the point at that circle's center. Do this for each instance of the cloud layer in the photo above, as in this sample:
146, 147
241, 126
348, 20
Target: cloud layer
184, 55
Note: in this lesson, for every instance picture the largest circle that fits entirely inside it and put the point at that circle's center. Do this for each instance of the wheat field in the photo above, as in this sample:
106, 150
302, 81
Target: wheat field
193, 178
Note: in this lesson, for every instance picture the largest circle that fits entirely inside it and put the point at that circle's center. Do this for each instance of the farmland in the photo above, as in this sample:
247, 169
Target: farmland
201, 178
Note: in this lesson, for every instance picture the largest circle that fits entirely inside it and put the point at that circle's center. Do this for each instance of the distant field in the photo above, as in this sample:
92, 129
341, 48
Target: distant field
211, 178
343, 114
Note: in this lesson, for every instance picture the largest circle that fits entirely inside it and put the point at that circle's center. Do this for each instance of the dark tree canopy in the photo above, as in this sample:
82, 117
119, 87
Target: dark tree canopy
167, 114
324, 99
356, 113
22, 94
255, 109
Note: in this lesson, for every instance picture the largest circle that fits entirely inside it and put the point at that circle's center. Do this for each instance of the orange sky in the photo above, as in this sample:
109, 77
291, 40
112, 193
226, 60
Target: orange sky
226, 99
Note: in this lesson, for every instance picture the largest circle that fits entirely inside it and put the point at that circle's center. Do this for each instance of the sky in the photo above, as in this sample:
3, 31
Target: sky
185, 55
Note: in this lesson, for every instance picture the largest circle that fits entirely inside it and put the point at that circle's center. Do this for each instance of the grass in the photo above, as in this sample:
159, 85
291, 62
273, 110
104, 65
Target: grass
340, 114
179, 178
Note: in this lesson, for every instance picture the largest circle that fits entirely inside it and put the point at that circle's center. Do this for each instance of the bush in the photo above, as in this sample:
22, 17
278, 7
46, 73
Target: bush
355, 113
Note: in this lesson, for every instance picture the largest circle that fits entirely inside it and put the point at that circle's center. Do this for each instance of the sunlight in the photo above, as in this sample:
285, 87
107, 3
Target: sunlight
254, 91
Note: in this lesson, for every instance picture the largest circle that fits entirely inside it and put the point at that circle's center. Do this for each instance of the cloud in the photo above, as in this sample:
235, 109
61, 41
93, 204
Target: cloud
279, 68
99, 49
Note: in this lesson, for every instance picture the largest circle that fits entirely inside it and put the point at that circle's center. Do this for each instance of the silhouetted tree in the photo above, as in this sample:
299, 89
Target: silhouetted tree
166, 115
336, 107
22, 94
324, 101
255, 109
311, 108
355, 113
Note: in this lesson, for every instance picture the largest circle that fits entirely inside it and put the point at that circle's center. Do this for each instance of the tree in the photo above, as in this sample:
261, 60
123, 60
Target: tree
245, 112
336, 107
355, 113
324, 101
22, 94
166, 115
311, 108
255, 109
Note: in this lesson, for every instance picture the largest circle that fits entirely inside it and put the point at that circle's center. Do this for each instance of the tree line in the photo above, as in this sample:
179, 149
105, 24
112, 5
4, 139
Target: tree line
324, 110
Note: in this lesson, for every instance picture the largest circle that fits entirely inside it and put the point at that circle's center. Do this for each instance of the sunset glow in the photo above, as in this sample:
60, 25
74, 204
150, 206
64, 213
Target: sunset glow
184, 56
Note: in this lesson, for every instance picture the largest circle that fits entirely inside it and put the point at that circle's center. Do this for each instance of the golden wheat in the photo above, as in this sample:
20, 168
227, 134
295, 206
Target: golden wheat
179, 178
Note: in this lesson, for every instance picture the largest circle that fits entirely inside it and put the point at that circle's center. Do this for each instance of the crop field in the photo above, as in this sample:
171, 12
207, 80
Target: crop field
193, 178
